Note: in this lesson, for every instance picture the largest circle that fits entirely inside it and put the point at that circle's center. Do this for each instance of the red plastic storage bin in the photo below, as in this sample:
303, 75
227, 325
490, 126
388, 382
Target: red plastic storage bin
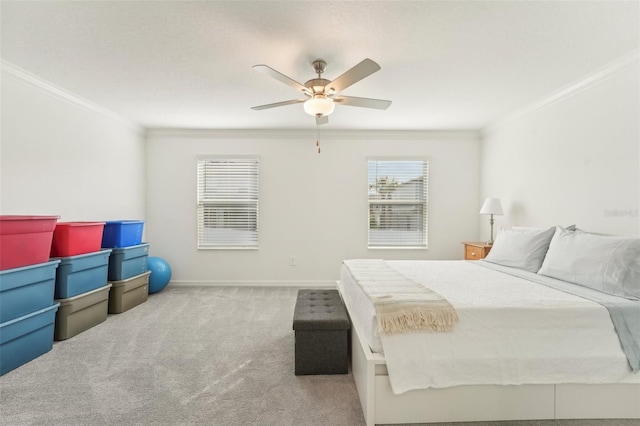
74, 238
25, 240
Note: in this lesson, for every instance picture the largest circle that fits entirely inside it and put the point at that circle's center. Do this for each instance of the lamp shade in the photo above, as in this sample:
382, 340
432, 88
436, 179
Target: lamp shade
491, 206
319, 105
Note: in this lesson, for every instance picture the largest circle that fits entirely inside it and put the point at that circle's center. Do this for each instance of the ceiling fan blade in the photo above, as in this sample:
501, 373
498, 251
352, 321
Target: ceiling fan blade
362, 102
281, 77
354, 75
322, 120
278, 104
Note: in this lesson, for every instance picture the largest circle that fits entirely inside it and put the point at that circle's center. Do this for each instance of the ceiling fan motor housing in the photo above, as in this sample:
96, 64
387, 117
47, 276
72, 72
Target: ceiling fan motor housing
317, 85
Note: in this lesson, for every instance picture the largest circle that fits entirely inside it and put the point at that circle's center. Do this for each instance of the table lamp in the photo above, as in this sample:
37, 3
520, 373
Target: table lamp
491, 206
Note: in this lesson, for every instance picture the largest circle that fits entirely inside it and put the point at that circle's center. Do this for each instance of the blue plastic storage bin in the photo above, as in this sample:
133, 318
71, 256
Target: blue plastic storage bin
128, 262
82, 273
27, 289
122, 233
25, 338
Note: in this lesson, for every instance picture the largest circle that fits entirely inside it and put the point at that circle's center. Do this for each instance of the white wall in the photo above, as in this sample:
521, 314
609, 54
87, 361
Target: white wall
573, 161
312, 206
62, 157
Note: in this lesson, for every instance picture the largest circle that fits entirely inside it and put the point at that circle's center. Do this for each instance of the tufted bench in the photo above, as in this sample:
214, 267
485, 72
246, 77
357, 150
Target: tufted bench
321, 329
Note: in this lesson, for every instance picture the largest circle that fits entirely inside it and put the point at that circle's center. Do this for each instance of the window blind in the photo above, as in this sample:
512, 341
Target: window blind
228, 199
398, 203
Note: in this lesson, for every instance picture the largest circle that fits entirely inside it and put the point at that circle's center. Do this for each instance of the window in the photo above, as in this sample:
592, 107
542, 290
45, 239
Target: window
228, 203
398, 203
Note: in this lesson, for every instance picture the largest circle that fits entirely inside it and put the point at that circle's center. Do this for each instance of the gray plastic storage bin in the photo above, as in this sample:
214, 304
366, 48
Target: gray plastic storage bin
128, 293
80, 313
127, 262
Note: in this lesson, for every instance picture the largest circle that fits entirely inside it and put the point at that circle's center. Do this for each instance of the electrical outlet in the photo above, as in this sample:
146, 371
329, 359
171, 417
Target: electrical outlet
292, 261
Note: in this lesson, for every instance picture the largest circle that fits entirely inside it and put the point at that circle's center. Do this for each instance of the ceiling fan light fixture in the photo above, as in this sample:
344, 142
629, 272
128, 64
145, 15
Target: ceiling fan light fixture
319, 106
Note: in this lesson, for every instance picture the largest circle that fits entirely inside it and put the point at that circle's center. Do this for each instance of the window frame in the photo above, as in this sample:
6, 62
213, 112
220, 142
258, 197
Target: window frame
202, 202
424, 203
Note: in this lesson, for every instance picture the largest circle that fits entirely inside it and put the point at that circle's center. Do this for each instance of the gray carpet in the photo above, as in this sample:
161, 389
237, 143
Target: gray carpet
189, 355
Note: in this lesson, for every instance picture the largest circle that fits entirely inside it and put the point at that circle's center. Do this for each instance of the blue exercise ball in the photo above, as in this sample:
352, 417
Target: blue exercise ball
160, 274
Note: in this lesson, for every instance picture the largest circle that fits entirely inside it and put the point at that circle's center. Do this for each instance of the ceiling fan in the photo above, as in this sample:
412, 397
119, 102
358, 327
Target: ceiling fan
321, 95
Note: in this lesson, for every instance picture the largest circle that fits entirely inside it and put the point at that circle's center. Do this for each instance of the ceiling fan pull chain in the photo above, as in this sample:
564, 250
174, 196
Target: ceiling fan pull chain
318, 138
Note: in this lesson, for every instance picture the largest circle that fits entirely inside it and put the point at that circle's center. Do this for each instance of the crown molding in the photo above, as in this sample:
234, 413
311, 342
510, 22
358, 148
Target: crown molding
324, 134
18, 74
621, 64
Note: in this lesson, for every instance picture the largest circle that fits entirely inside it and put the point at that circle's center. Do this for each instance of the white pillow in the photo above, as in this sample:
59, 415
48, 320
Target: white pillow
607, 263
520, 248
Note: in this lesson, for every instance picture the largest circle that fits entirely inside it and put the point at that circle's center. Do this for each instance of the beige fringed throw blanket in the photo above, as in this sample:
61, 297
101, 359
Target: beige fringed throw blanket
402, 305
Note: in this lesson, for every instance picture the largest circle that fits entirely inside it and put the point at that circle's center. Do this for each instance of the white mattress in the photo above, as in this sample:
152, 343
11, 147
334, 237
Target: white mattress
511, 331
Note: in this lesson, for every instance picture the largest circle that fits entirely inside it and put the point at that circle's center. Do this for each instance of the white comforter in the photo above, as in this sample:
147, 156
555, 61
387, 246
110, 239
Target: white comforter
511, 331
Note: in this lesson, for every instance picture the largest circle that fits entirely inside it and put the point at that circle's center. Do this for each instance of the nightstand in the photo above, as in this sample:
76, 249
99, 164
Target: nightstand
475, 251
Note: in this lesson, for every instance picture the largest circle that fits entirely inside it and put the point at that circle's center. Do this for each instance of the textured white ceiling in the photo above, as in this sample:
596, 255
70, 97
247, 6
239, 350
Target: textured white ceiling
188, 64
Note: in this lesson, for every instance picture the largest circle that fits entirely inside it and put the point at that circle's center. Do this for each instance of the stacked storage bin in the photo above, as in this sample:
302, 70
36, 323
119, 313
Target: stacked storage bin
81, 289
128, 264
27, 281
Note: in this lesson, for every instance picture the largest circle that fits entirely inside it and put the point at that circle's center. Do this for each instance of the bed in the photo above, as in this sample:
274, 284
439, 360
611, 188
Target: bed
527, 344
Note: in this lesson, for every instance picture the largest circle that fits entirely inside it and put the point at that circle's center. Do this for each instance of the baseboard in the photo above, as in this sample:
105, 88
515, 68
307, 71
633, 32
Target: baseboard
263, 283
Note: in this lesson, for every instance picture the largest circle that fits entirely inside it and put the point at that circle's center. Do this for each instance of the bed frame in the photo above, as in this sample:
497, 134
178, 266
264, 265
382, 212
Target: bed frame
484, 402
